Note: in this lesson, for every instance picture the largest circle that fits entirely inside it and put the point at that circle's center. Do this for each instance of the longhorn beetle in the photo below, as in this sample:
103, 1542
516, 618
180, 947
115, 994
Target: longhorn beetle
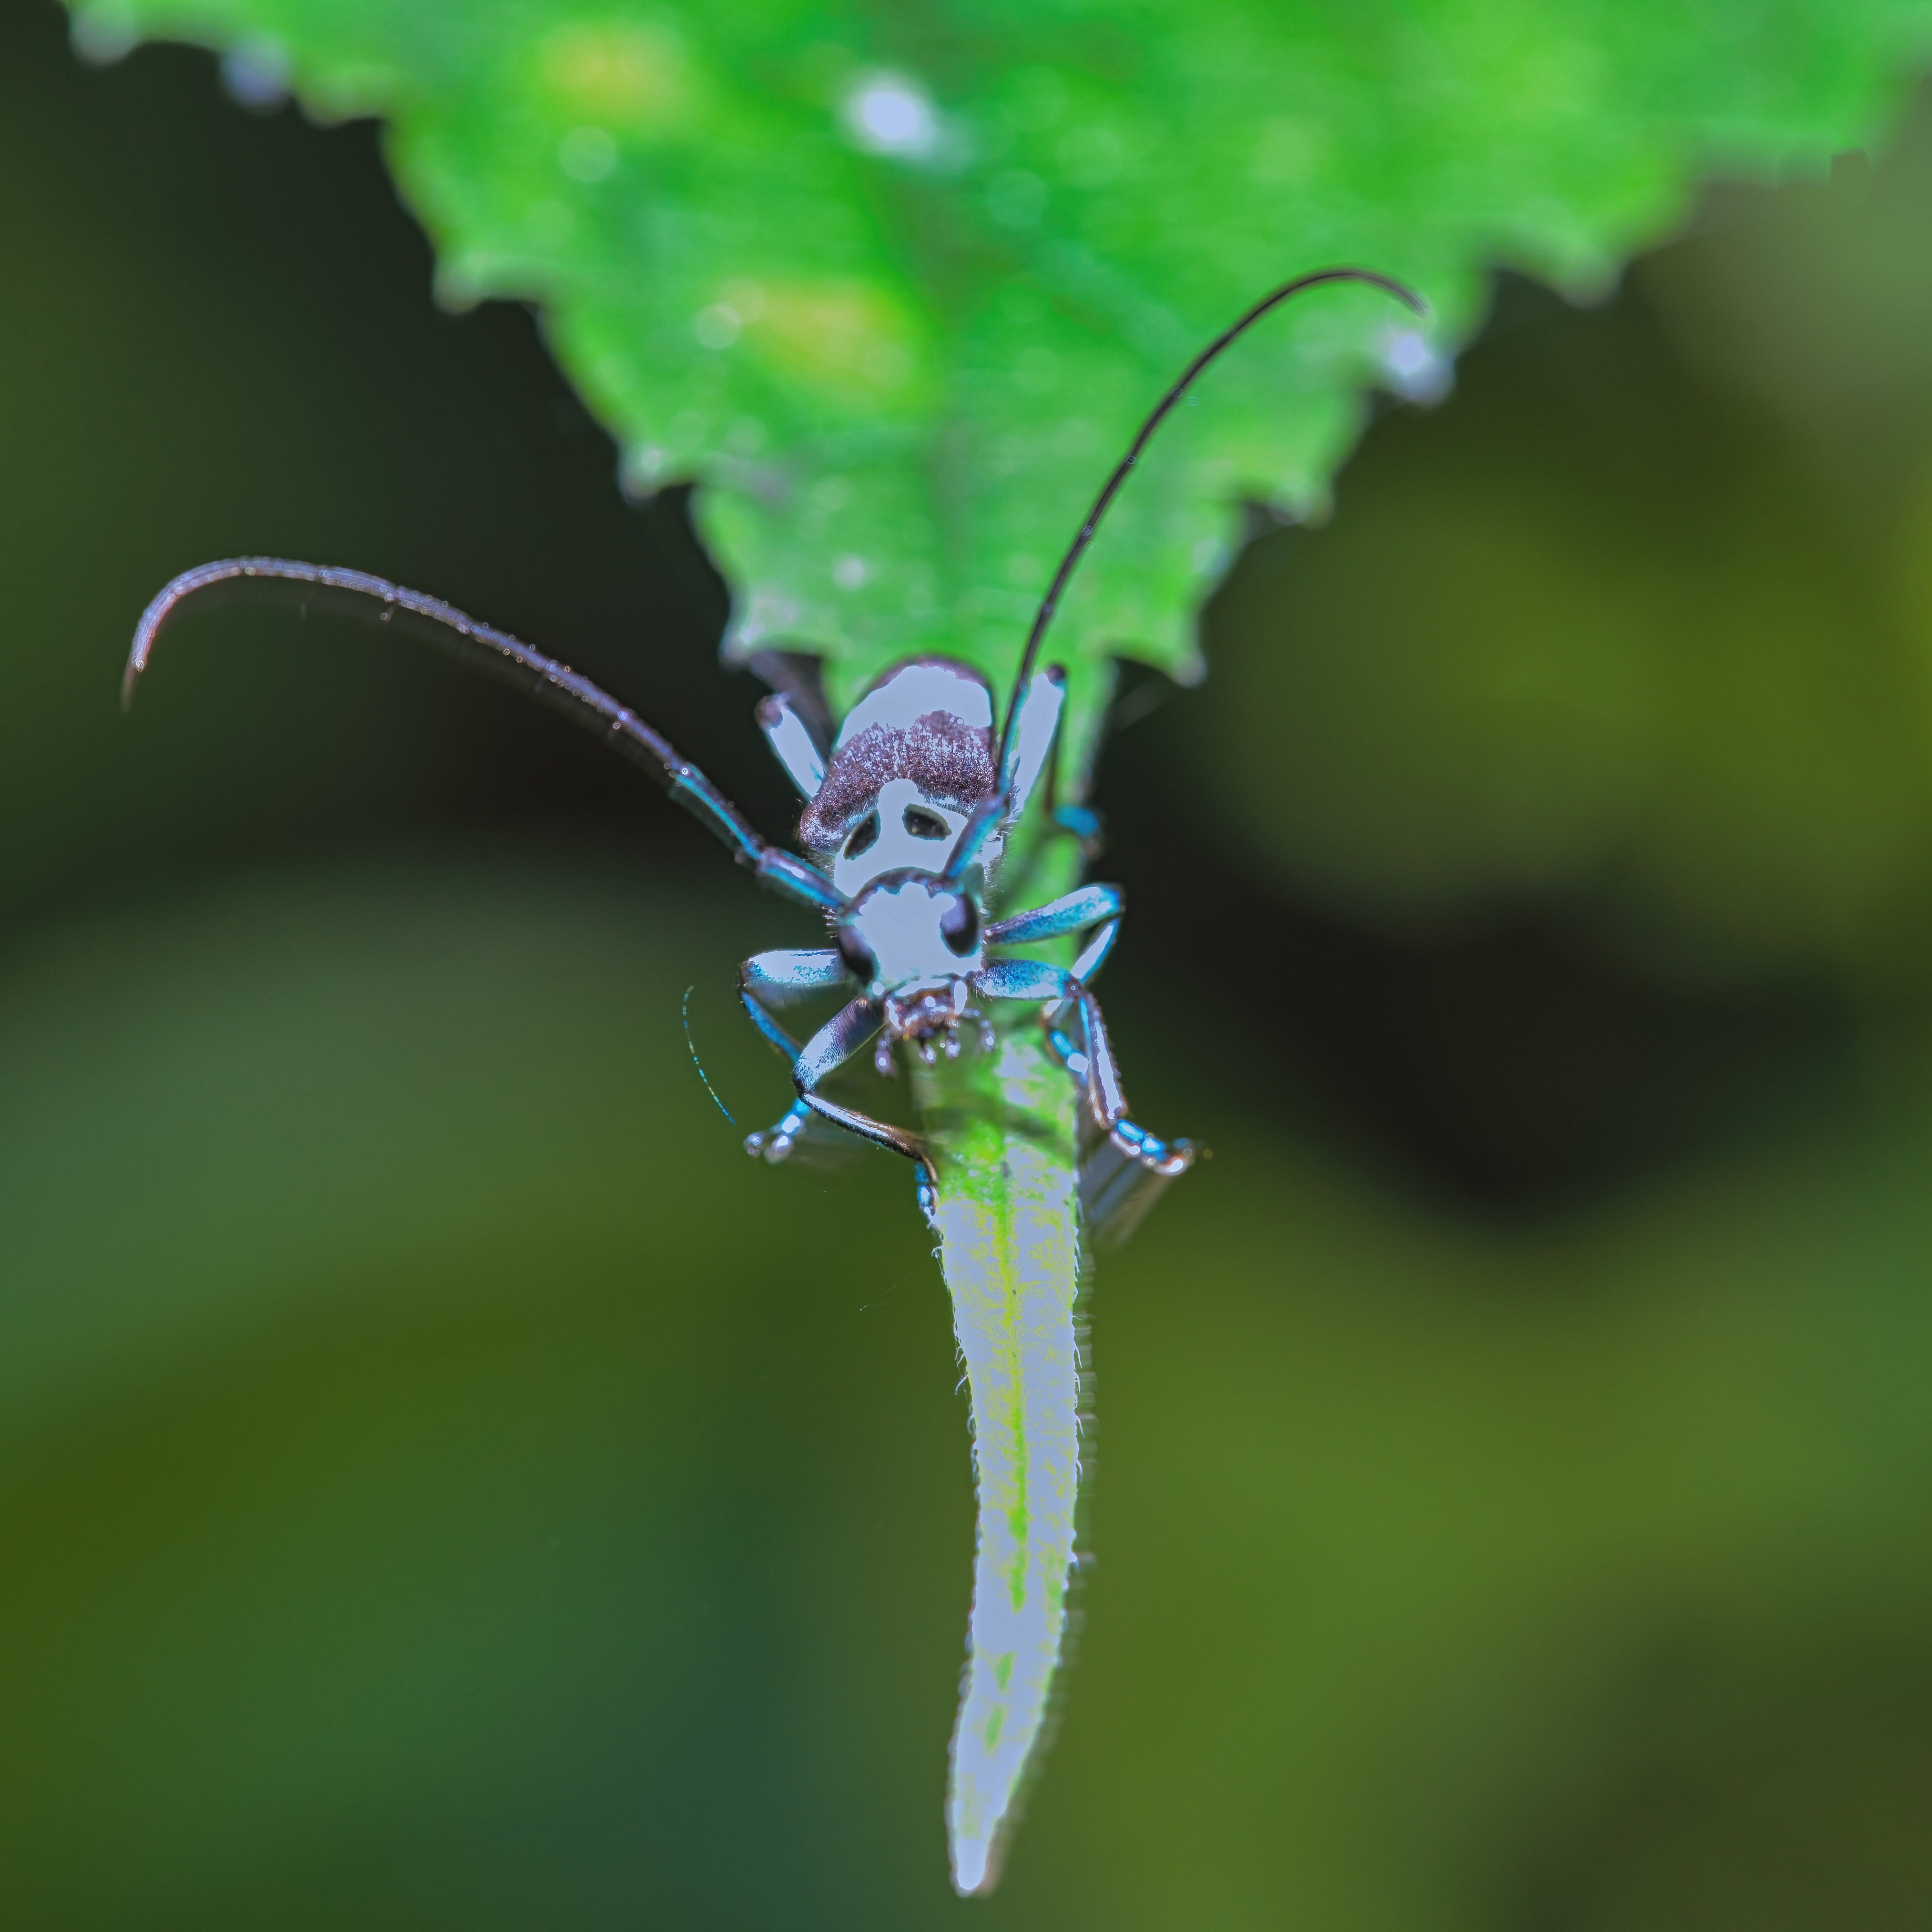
907, 815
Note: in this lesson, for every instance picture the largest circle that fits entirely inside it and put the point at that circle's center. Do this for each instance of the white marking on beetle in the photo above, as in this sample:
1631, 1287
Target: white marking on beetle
903, 697
902, 806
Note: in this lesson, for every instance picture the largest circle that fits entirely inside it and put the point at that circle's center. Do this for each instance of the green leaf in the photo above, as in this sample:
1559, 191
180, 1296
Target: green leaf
896, 283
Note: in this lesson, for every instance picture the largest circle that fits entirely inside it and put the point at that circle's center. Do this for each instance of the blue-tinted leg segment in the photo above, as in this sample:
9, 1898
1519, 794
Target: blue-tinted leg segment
1082, 820
828, 1049
1165, 1158
774, 1143
783, 978
1029, 736
1072, 912
1093, 955
882, 1133
793, 972
1022, 979
1070, 1056
766, 1025
1090, 1060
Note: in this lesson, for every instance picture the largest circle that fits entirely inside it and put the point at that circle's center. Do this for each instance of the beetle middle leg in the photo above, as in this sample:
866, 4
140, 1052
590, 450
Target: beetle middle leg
1072, 912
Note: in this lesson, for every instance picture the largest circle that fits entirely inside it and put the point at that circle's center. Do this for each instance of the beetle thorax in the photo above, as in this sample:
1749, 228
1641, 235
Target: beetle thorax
911, 929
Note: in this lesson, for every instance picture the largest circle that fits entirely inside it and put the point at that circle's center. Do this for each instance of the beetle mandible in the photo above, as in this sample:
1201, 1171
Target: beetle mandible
907, 815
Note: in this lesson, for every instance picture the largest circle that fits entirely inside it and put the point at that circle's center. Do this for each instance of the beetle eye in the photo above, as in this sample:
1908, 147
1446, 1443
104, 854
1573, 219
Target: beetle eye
856, 954
924, 824
959, 924
865, 835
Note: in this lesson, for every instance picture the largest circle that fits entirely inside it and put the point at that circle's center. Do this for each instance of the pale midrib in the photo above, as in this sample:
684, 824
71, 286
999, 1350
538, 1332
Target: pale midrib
1009, 1245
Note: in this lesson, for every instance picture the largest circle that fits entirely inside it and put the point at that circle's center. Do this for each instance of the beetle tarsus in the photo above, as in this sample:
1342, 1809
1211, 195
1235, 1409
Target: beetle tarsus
775, 1144
1167, 1159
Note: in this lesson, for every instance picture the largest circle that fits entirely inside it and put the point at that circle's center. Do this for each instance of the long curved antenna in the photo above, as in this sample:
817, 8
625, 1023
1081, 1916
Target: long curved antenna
1050, 603
484, 646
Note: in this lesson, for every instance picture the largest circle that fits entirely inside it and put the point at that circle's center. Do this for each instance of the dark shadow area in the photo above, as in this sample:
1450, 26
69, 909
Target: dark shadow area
219, 340
1521, 1066
1769, 1784
1568, 597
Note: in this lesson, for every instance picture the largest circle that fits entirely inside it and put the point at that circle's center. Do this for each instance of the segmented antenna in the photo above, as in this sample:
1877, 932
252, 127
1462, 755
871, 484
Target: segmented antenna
542, 676
523, 663
1050, 603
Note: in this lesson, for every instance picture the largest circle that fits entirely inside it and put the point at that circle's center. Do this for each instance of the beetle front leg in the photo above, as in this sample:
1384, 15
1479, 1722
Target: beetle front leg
1072, 912
827, 1050
882, 1133
778, 979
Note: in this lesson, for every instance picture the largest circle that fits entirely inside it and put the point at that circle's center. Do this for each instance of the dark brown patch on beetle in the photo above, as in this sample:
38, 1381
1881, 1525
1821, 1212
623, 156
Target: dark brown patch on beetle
948, 759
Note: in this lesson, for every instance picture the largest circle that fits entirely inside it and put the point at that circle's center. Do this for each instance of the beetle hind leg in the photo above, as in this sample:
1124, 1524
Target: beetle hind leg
1125, 1169
1099, 1082
1087, 1054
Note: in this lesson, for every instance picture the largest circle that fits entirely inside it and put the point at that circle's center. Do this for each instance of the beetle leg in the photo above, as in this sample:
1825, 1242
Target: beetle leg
1072, 912
1031, 741
827, 1050
780, 979
882, 1133
830, 1047
1094, 954
1090, 1060
792, 973
792, 743
1091, 905
1165, 1158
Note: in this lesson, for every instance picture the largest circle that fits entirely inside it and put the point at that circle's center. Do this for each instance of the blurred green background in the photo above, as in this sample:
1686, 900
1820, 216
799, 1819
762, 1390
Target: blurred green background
444, 1484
